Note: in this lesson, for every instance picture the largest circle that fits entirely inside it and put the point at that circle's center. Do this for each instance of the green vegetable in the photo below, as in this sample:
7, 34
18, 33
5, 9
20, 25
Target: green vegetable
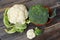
10, 31
20, 27
5, 19
20, 30
38, 31
38, 14
14, 27
27, 21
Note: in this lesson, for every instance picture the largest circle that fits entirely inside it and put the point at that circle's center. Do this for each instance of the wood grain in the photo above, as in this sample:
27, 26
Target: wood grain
8, 3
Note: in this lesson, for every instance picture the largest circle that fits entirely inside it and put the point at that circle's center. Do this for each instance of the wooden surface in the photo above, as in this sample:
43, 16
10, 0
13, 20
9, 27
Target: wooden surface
8, 3
49, 34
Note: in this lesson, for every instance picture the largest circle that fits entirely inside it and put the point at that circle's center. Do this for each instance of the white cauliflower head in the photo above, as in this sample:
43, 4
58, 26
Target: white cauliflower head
17, 14
30, 34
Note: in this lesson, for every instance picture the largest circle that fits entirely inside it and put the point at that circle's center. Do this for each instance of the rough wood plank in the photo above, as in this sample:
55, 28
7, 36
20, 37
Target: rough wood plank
44, 2
28, 3
5, 2
2, 32
53, 27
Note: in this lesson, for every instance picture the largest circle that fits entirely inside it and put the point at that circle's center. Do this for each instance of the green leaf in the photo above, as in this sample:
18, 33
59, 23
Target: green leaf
20, 26
10, 31
38, 31
28, 21
20, 30
5, 20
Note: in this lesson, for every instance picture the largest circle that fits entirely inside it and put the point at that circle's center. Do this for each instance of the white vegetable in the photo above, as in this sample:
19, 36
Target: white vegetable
30, 34
17, 14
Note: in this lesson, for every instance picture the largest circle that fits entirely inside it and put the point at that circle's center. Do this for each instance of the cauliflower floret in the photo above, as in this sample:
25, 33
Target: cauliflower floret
17, 14
30, 34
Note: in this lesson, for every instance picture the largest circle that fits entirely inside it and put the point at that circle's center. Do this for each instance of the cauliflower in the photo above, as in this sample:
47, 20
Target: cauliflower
30, 34
17, 14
